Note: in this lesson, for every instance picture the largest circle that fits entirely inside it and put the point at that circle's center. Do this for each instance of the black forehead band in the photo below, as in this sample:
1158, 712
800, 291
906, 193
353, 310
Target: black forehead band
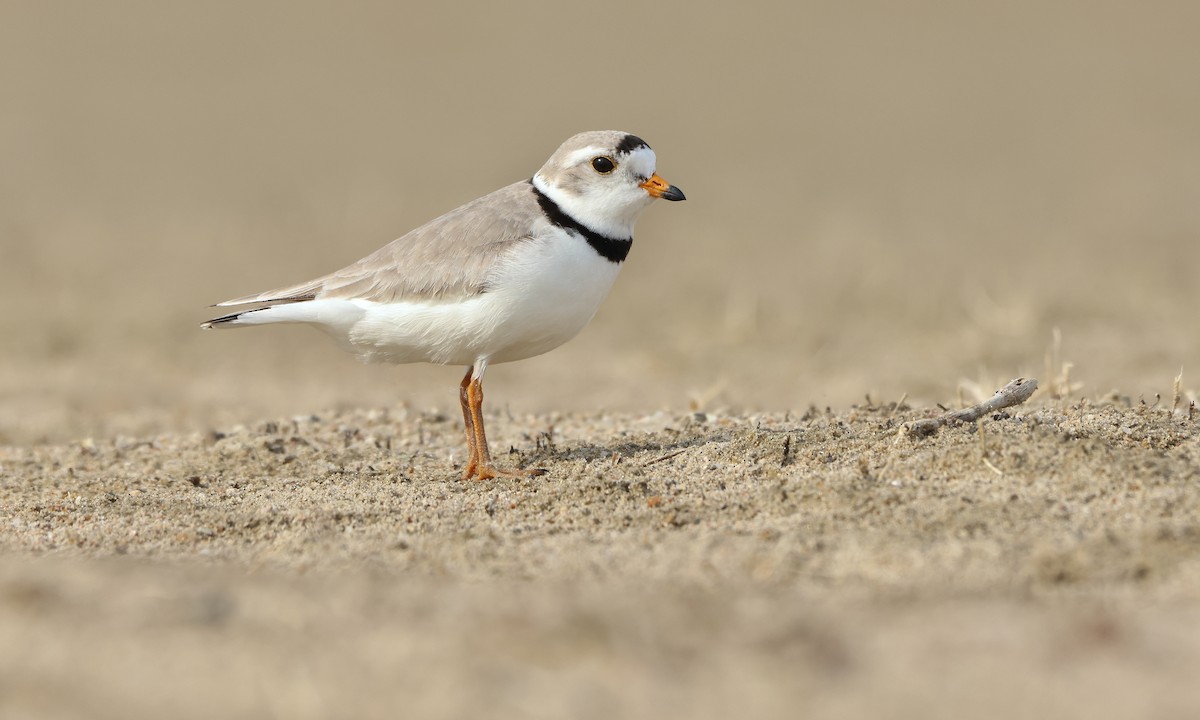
629, 143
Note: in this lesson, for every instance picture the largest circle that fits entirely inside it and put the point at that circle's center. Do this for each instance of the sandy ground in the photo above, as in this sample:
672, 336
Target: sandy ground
1043, 564
887, 203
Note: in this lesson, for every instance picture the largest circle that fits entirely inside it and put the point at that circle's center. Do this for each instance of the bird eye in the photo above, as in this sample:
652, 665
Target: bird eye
603, 165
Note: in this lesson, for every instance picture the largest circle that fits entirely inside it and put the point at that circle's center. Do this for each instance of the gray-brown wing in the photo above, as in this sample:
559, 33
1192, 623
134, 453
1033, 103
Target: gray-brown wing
447, 258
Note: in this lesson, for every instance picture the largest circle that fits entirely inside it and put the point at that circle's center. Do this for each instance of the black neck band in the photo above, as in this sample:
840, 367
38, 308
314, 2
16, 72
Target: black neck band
611, 249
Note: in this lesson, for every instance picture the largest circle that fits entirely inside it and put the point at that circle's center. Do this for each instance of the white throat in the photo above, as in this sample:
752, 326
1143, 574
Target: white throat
610, 215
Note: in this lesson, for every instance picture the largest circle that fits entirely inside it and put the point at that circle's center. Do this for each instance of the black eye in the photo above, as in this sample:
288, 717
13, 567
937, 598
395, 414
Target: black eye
603, 165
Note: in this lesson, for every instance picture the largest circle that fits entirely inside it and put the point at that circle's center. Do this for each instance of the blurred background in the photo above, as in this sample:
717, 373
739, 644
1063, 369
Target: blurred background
884, 198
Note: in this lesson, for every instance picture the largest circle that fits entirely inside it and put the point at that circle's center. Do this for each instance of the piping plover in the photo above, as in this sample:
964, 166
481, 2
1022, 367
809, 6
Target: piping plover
505, 277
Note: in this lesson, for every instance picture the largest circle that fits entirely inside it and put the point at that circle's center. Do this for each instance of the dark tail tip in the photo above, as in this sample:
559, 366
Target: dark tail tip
220, 321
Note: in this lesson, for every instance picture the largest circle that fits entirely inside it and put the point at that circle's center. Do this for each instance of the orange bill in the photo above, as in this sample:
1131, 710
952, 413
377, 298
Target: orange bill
659, 188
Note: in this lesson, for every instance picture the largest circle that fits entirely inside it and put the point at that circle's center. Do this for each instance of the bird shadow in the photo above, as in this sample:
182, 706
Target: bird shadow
548, 452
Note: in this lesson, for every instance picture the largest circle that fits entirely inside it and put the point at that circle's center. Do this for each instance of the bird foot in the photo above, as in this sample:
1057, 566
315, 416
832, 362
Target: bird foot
491, 472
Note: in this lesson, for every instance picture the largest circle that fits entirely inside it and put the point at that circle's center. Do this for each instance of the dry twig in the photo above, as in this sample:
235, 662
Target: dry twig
1014, 393
668, 456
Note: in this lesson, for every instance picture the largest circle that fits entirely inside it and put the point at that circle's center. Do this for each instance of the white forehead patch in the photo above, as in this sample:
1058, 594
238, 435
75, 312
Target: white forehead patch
642, 161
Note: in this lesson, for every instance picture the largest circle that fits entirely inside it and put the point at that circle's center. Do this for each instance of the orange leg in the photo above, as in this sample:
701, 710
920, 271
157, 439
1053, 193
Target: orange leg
469, 422
484, 469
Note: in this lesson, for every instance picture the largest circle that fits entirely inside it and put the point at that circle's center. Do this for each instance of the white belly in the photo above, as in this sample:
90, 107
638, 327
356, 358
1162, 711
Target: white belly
541, 295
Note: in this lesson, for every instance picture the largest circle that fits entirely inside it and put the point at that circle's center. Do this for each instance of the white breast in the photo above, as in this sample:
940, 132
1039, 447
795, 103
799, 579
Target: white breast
541, 294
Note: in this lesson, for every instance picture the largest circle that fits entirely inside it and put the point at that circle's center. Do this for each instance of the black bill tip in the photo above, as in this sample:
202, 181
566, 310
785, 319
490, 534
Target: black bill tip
673, 194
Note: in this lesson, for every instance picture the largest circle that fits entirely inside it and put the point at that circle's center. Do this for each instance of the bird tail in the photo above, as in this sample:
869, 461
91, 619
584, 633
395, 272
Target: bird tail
333, 313
290, 312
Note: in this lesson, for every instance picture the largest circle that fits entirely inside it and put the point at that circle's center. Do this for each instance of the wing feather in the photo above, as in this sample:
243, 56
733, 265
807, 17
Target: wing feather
448, 258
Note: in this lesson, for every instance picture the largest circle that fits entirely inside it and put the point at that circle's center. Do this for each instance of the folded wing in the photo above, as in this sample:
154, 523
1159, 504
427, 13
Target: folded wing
448, 258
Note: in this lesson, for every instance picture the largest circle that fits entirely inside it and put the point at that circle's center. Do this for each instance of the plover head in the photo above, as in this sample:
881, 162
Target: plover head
604, 179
